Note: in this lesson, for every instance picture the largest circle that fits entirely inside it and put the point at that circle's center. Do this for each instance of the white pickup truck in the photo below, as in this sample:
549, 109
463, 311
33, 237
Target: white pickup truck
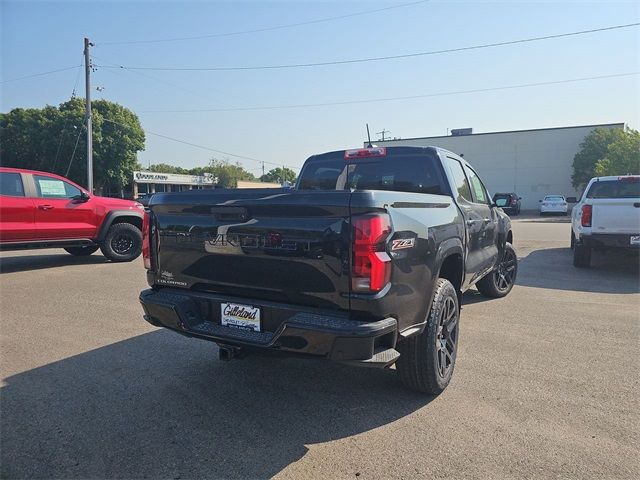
607, 216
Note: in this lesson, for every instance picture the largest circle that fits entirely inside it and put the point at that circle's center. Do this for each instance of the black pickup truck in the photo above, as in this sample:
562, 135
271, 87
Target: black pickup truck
363, 262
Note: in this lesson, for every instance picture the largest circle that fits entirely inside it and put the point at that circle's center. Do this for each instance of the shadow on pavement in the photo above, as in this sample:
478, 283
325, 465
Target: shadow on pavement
162, 406
24, 263
473, 296
610, 272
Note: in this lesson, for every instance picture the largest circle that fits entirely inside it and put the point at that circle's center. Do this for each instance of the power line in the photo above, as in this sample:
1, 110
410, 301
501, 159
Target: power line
203, 147
151, 77
66, 121
389, 57
265, 29
390, 99
40, 74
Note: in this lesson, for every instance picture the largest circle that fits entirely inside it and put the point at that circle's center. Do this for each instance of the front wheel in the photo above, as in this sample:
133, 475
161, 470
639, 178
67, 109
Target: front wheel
123, 243
426, 361
500, 281
81, 251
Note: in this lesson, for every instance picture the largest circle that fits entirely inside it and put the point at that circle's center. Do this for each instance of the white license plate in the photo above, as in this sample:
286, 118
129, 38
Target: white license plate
240, 316
634, 240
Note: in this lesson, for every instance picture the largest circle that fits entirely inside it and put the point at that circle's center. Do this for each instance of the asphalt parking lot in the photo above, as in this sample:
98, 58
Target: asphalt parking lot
546, 384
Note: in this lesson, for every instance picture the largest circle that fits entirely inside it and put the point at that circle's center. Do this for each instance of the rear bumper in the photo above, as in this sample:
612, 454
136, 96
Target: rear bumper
284, 327
602, 240
554, 209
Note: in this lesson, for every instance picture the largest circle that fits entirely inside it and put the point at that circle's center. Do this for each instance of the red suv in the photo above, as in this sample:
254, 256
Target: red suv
44, 210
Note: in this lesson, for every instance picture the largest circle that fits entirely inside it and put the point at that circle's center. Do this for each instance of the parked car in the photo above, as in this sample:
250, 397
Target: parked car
554, 204
606, 217
509, 202
44, 210
144, 199
363, 262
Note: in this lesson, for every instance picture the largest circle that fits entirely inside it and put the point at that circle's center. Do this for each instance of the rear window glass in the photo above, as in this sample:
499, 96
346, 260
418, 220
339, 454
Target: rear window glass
417, 173
615, 189
501, 201
11, 184
554, 198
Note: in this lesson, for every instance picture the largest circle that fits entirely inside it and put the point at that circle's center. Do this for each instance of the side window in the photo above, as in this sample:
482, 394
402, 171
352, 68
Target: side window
11, 184
460, 180
49, 187
478, 190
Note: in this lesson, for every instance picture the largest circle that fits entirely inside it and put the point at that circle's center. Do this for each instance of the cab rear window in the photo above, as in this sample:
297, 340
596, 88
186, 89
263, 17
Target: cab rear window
400, 172
622, 188
11, 184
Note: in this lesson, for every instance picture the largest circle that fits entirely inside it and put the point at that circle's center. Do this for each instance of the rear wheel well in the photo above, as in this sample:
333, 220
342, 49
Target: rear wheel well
452, 269
510, 237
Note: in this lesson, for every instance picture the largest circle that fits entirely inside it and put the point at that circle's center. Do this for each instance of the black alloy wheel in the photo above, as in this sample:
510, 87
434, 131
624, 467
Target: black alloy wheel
122, 243
447, 337
504, 274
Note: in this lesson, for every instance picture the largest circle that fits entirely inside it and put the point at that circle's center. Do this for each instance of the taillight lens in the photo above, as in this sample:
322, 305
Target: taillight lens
146, 241
587, 214
371, 266
365, 152
514, 201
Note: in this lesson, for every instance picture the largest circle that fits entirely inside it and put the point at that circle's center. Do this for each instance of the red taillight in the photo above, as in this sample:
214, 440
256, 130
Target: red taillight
146, 241
587, 213
371, 265
365, 152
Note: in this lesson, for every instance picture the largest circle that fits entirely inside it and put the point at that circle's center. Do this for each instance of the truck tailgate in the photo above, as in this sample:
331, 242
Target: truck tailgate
279, 245
615, 215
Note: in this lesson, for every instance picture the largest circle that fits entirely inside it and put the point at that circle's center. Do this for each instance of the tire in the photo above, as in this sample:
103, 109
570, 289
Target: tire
581, 256
82, 251
573, 240
427, 360
123, 243
500, 281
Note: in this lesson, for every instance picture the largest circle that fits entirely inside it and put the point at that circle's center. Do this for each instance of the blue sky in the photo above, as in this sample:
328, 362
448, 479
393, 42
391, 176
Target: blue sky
42, 36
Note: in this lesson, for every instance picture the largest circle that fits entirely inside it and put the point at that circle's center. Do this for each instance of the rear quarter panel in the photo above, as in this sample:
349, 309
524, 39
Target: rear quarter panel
436, 224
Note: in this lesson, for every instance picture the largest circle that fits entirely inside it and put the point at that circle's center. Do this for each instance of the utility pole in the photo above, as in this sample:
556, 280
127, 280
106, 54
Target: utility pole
382, 133
87, 81
263, 169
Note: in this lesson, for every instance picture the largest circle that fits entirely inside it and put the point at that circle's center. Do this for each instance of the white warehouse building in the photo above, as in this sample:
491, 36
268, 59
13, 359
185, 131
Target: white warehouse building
531, 163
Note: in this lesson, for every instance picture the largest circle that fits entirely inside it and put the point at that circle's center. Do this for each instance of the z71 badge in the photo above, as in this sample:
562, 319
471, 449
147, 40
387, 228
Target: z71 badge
402, 243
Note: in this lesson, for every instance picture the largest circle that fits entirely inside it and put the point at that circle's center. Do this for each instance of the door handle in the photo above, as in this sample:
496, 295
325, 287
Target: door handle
487, 220
471, 222
45, 207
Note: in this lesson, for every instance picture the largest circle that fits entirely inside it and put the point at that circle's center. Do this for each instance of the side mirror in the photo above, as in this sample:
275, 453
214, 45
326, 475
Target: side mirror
82, 198
519, 198
539, 201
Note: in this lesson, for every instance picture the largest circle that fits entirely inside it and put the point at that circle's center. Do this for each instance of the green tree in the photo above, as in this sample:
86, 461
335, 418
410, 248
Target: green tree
622, 156
279, 175
53, 139
593, 148
226, 172
166, 168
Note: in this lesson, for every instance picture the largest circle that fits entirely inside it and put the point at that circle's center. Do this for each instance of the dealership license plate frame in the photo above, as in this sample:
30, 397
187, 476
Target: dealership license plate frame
634, 240
234, 318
